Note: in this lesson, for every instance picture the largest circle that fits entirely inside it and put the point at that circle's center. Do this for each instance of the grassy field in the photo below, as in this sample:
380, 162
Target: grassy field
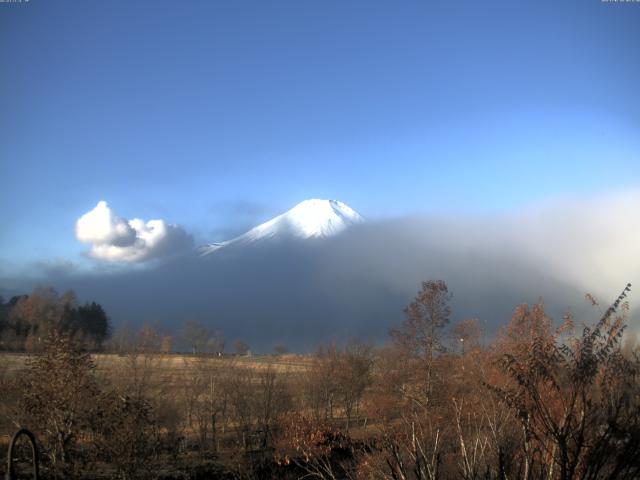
179, 362
172, 380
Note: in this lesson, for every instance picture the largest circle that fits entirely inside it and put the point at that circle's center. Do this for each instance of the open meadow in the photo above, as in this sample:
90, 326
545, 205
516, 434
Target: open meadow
540, 401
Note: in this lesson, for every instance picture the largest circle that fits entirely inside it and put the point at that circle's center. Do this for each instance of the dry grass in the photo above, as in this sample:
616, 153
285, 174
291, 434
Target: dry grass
176, 363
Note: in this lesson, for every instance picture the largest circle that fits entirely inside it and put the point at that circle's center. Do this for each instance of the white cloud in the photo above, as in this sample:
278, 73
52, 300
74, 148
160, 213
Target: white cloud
115, 239
102, 226
592, 243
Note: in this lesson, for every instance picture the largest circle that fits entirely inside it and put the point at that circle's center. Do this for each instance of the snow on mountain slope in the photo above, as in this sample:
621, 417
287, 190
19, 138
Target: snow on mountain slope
313, 218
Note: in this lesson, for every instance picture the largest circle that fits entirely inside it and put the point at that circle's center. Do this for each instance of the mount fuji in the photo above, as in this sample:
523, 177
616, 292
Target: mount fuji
317, 273
314, 218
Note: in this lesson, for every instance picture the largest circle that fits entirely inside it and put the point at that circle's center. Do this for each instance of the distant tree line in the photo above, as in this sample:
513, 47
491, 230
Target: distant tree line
26, 320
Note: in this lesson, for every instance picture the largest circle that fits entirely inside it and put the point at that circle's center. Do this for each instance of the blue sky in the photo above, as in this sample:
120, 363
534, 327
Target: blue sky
218, 114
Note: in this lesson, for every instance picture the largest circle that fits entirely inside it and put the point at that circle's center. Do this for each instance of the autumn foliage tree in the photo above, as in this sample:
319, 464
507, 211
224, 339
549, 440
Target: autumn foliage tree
577, 400
29, 319
467, 334
317, 449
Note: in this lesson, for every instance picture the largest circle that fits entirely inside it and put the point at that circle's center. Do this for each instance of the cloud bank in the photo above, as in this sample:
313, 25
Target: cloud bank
115, 239
356, 284
592, 243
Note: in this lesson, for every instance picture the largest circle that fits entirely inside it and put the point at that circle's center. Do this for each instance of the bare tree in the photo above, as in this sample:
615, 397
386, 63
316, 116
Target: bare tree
420, 335
241, 348
321, 383
124, 433
353, 377
196, 335
280, 349
216, 344
59, 398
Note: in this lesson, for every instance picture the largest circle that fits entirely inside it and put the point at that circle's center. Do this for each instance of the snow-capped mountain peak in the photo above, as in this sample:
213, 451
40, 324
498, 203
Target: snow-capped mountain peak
314, 218
318, 218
